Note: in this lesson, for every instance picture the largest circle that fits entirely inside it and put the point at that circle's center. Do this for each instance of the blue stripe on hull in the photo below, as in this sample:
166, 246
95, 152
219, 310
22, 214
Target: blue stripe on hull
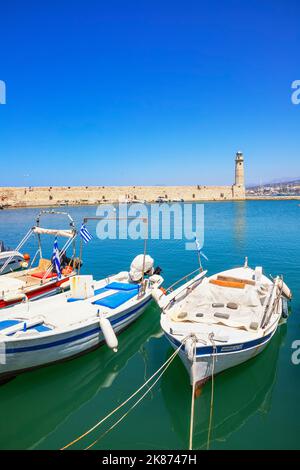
228, 349
86, 334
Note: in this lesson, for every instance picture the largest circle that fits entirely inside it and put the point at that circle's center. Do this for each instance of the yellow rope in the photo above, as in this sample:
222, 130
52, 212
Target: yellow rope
192, 406
166, 363
135, 404
212, 396
192, 417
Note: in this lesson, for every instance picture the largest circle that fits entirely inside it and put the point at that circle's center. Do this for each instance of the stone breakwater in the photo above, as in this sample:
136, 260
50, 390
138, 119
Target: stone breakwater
85, 195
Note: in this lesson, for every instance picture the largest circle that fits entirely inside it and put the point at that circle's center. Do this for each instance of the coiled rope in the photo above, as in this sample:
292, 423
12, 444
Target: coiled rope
162, 368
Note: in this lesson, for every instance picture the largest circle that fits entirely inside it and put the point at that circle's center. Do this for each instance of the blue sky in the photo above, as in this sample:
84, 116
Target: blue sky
148, 92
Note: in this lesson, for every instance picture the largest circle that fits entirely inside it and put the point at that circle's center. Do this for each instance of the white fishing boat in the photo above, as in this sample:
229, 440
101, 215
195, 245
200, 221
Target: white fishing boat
10, 260
222, 320
39, 279
66, 325
69, 324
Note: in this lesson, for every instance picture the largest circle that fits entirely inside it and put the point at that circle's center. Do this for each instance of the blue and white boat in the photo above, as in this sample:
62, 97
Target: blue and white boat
34, 334
223, 320
10, 260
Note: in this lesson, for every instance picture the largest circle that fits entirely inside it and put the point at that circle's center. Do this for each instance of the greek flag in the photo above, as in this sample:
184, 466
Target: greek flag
56, 258
199, 249
85, 234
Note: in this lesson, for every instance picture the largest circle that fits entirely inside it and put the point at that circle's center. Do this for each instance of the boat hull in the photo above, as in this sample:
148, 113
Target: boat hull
210, 361
39, 292
20, 356
14, 264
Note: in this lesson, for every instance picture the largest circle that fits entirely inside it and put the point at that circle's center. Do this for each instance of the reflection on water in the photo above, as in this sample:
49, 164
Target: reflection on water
238, 393
55, 392
239, 223
49, 407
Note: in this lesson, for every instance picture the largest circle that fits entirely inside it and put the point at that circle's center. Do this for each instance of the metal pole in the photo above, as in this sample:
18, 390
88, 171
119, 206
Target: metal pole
200, 263
145, 252
80, 256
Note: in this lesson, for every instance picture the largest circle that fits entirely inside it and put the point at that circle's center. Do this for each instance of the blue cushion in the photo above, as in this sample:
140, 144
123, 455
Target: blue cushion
100, 291
41, 328
115, 300
96, 292
7, 323
122, 286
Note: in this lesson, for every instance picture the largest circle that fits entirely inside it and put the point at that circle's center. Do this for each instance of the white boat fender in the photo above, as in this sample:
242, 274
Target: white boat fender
108, 333
286, 291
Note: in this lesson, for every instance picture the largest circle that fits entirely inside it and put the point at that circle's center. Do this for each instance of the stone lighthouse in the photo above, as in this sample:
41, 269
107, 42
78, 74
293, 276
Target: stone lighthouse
239, 185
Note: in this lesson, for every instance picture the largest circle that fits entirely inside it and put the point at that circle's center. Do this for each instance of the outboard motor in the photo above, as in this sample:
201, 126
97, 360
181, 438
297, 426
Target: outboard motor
157, 270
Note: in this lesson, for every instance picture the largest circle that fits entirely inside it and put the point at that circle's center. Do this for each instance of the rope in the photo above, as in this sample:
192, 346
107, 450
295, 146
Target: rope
192, 417
124, 402
135, 404
212, 392
192, 407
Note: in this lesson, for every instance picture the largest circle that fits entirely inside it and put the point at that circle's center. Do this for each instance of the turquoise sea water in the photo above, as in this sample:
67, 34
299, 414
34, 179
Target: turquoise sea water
256, 405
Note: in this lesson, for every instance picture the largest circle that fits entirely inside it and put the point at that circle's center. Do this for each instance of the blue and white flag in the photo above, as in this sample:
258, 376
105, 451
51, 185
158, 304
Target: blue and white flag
197, 244
199, 249
85, 234
56, 258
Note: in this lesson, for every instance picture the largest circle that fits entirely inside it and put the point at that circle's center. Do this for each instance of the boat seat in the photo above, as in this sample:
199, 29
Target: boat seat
4, 324
41, 328
119, 286
230, 284
41, 275
7, 323
115, 300
44, 264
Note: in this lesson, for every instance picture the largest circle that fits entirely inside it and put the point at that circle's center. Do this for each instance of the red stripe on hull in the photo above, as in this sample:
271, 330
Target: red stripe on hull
45, 289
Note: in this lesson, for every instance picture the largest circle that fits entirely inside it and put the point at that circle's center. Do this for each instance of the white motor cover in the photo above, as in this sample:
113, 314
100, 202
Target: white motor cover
136, 267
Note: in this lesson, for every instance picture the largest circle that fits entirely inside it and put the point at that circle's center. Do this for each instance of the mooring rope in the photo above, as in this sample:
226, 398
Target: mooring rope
164, 366
136, 403
212, 391
192, 403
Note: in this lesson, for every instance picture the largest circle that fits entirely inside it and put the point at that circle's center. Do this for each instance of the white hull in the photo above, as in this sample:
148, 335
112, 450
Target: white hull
32, 353
15, 259
205, 365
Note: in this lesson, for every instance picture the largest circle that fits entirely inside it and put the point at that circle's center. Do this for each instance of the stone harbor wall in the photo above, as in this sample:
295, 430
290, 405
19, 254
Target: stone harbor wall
83, 195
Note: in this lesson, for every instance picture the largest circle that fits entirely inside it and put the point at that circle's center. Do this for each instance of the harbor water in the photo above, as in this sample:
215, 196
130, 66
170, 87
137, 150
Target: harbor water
256, 405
